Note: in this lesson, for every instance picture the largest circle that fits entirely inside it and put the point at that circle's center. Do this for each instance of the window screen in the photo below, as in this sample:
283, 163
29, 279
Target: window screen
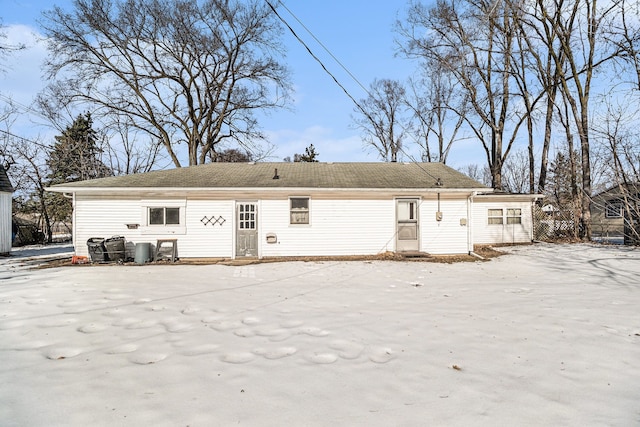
495, 216
299, 210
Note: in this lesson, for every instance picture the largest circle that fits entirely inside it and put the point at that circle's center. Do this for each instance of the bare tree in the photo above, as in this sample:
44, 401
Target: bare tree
480, 173
232, 155
188, 73
439, 112
617, 141
516, 175
473, 40
382, 118
7, 49
28, 175
129, 151
579, 28
535, 59
625, 35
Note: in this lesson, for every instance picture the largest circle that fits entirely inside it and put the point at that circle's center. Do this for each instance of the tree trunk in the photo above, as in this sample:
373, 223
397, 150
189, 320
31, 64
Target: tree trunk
546, 143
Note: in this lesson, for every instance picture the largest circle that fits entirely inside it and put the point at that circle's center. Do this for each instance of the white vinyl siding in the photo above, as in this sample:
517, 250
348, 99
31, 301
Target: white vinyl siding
447, 236
5, 222
209, 229
196, 237
516, 225
338, 228
103, 218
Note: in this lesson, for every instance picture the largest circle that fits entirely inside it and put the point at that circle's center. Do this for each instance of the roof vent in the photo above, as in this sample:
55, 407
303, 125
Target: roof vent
438, 182
275, 174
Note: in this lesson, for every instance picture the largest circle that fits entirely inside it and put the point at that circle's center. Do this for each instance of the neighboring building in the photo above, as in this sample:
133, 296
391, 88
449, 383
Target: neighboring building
235, 210
615, 211
6, 196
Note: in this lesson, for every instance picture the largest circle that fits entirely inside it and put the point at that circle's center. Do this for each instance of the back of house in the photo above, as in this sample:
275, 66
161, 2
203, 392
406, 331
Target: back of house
239, 210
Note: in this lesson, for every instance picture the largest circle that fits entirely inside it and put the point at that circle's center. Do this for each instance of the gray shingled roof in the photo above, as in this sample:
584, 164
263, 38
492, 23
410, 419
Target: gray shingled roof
5, 184
291, 175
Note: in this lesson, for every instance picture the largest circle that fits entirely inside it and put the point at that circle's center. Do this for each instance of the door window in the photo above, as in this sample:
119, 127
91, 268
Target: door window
247, 216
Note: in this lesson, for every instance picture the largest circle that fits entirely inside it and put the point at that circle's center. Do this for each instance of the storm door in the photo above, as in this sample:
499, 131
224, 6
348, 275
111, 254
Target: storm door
407, 231
246, 229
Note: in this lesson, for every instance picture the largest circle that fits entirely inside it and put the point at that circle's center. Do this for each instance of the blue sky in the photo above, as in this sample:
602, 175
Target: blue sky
357, 32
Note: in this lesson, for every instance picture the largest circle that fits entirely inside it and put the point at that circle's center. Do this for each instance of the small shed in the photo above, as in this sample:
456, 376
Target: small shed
6, 196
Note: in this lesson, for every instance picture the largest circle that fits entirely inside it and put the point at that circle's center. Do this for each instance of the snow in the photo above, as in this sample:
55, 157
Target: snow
546, 335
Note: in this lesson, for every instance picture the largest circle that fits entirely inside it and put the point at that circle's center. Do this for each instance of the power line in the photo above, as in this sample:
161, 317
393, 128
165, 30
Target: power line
360, 107
313, 55
25, 108
323, 46
39, 144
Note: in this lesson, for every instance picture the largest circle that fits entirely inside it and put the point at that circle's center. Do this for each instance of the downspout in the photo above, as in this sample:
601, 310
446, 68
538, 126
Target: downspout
74, 225
470, 225
73, 219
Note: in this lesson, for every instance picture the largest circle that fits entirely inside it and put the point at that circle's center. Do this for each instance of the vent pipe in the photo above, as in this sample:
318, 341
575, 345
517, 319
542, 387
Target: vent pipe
275, 174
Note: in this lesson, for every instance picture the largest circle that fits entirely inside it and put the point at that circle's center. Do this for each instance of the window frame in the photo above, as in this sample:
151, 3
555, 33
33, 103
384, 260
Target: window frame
247, 220
513, 217
146, 207
299, 211
609, 205
495, 219
165, 216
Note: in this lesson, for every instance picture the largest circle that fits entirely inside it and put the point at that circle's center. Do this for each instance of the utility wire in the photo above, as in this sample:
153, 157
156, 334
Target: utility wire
323, 46
39, 144
313, 55
360, 107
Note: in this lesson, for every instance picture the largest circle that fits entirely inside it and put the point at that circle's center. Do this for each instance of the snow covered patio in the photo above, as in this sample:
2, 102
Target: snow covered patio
547, 335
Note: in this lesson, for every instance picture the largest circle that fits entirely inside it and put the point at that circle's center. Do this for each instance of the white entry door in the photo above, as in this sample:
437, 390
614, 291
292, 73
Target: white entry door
407, 230
246, 229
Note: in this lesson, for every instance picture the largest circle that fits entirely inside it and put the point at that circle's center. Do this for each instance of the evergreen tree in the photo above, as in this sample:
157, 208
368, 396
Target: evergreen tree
76, 155
309, 155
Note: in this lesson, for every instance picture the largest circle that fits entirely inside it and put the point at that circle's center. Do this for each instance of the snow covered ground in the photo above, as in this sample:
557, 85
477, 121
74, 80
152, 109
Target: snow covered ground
547, 335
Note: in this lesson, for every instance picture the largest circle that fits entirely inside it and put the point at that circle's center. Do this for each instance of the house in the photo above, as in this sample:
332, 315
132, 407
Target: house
615, 213
6, 196
236, 210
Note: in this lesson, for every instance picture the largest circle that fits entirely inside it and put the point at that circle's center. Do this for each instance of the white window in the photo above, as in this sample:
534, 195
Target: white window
247, 216
299, 208
495, 217
613, 209
514, 216
164, 216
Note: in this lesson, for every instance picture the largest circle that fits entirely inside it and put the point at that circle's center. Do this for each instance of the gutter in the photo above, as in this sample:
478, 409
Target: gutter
470, 224
90, 190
